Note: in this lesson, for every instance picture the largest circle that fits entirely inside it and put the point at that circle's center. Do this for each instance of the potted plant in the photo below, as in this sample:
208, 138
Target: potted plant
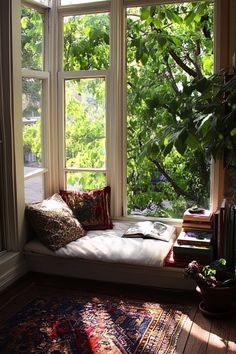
216, 285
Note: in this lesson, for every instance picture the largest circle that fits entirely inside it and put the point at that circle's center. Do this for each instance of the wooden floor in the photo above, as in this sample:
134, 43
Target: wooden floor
199, 335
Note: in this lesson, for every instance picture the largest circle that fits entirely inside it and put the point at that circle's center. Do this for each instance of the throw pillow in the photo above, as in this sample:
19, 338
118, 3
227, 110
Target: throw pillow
53, 222
92, 208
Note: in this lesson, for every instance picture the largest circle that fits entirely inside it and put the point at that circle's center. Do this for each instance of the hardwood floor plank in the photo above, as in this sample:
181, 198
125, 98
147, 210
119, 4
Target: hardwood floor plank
231, 349
199, 335
183, 338
218, 338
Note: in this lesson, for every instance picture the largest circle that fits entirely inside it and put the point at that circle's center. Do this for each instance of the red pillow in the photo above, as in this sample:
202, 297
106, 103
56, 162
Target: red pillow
92, 208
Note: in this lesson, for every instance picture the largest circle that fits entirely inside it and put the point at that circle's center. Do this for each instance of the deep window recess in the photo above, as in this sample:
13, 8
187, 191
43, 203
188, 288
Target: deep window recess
113, 60
34, 100
169, 55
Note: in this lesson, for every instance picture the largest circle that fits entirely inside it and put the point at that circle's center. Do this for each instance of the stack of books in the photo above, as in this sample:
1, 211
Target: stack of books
193, 245
198, 219
194, 241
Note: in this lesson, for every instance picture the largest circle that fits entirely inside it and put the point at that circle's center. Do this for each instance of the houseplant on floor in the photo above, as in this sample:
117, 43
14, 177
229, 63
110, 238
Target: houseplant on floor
216, 285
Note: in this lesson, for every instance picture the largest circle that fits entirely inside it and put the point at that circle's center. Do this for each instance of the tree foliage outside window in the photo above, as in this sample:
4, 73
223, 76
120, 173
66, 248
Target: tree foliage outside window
85, 131
169, 48
31, 39
86, 42
32, 58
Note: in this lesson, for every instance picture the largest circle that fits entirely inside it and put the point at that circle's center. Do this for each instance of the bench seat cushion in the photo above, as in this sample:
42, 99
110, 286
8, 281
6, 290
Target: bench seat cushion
109, 246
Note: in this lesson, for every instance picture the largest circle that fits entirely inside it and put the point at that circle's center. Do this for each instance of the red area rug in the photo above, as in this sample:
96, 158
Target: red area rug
89, 323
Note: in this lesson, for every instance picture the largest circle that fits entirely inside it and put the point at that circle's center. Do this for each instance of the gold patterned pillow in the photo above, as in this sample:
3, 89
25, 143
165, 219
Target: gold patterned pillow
53, 222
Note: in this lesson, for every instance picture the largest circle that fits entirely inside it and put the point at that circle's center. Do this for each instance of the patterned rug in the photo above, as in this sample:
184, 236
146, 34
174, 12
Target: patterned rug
88, 323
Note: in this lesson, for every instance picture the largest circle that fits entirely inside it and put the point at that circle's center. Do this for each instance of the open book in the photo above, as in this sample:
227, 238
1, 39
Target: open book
149, 229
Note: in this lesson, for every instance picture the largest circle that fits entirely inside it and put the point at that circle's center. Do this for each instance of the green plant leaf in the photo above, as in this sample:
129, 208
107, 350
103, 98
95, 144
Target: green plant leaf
190, 17
144, 58
161, 40
192, 141
172, 16
233, 132
145, 13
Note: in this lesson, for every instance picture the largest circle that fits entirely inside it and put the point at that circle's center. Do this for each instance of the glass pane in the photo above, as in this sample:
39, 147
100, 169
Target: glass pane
44, 2
31, 39
69, 2
85, 140
34, 188
86, 42
32, 122
169, 51
84, 181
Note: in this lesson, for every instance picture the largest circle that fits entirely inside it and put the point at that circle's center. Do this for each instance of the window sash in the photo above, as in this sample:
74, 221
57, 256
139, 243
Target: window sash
62, 77
44, 76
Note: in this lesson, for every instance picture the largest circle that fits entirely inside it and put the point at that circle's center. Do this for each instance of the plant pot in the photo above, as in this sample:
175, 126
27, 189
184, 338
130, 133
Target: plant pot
216, 301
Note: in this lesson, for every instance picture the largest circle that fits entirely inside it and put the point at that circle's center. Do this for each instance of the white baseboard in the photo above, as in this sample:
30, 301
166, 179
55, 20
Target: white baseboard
13, 266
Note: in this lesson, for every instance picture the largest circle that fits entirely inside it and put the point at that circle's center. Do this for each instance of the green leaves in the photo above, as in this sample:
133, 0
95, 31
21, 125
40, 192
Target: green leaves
192, 141
86, 42
141, 52
190, 17
172, 16
144, 13
162, 40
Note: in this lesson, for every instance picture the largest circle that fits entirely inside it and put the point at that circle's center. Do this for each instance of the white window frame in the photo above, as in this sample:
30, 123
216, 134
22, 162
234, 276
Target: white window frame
114, 95
76, 10
44, 76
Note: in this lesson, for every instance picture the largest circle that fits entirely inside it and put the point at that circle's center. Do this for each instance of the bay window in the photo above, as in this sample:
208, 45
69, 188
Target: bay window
104, 97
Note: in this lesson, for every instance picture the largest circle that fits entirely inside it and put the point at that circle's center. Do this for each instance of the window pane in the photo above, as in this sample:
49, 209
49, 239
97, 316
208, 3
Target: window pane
69, 2
85, 123
86, 42
32, 122
44, 2
31, 39
169, 50
85, 181
34, 188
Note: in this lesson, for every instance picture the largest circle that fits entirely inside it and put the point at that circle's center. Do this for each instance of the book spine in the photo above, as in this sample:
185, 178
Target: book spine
215, 234
221, 236
199, 251
196, 226
194, 242
197, 218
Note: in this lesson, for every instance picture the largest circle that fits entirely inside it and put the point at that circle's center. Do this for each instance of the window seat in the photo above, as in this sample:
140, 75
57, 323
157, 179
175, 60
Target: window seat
105, 255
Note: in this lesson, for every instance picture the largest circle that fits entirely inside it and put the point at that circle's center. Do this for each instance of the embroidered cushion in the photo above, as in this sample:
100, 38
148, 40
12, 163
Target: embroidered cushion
53, 222
92, 208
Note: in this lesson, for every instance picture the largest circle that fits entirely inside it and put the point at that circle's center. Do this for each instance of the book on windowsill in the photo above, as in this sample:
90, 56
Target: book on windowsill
172, 260
189, 251
195, 237
197, 225
200, 214
148, 229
